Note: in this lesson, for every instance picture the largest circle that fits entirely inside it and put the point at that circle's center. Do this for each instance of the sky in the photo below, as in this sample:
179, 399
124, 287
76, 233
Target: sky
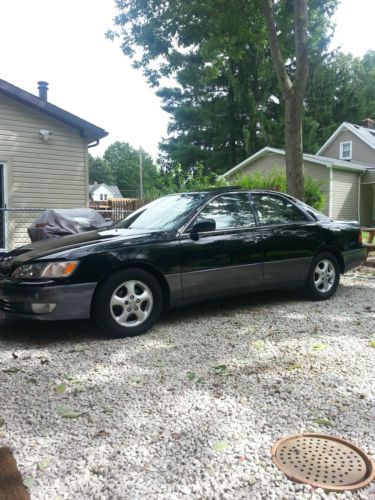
63, 42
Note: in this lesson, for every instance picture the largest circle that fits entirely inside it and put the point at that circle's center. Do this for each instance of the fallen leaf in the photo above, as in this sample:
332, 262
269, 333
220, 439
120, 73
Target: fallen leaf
221, 369
44, 361
294, 366
43, 464
79, 388
12, 370
73, 379
322, 421
220, 446
28, 482
176, 436
2, 422
319, 347
108, 410
101, 434
60, 388
259, 344
69, 413
160, 363
191, 375
136, 380
14, 355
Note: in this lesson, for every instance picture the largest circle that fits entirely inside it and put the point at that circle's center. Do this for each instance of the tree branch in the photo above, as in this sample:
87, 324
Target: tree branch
278, 62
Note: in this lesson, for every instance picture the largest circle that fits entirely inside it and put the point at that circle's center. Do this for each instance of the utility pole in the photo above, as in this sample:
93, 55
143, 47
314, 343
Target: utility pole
141, 172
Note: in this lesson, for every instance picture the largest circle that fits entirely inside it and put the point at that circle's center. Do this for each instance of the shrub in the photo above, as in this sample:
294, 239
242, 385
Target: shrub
276, 181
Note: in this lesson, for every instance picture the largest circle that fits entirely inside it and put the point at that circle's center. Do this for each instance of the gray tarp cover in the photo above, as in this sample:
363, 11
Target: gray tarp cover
55, 223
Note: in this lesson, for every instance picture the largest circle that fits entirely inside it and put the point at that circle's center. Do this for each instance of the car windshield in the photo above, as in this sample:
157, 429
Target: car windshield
164, 213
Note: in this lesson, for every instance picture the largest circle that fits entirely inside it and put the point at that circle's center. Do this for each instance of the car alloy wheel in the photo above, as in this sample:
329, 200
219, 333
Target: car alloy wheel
131, 303
324, 276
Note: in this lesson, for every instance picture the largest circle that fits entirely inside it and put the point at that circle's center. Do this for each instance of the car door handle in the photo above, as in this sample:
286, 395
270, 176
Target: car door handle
251, 239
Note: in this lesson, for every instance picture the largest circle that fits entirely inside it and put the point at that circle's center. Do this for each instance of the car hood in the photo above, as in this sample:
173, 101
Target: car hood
67, 244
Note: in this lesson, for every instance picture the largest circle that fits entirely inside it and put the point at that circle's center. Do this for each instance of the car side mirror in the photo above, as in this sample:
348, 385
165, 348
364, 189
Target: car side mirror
203, 226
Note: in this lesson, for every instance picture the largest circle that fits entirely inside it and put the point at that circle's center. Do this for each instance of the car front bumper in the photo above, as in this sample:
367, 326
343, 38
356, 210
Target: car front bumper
46, 301
353, 258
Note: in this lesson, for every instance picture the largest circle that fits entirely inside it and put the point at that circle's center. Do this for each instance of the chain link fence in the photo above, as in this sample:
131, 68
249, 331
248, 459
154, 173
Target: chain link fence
15, 221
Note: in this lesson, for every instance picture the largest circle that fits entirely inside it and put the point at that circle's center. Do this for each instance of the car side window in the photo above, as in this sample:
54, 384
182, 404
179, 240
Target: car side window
274, 210
230, 210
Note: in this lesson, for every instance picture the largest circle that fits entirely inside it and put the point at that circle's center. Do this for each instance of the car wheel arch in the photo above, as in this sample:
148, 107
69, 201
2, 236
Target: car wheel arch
336, 253
144, 266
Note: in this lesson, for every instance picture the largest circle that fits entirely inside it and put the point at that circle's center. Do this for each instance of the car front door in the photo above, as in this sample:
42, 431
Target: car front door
290, 239
227, 260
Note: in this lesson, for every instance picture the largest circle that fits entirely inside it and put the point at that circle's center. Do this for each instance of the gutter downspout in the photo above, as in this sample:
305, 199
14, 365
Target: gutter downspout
359, 196
330, 200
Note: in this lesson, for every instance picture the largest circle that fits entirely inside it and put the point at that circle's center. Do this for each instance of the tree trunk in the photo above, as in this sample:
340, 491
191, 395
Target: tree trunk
294, 145
293, 91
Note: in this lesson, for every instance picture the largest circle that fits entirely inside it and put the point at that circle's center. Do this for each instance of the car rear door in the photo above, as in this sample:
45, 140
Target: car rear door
227, 260
290, 239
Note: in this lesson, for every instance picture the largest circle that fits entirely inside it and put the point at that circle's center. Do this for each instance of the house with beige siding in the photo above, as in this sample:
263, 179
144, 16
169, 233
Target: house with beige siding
344, 166
43, 160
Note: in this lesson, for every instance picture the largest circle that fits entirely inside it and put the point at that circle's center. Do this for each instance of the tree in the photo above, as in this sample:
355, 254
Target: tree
100, 171
293, 90
123, 161
209, 62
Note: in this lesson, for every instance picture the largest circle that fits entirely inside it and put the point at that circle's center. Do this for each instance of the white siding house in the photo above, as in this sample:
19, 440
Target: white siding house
102, 192
339, 180
43, 160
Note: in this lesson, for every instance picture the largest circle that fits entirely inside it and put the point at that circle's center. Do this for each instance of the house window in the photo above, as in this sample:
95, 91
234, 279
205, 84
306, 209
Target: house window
101, 197
346, 150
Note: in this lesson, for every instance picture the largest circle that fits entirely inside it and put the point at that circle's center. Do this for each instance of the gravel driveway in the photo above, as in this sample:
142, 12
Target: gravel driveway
192, 409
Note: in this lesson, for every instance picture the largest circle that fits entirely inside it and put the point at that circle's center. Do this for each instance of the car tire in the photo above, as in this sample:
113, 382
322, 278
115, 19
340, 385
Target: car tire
324, 277
128, 303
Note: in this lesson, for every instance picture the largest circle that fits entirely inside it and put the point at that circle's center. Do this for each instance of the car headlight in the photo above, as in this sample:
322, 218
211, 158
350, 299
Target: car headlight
45, 270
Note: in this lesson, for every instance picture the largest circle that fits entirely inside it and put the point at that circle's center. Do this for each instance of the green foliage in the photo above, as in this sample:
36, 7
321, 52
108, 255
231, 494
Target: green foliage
123, 160
100, 171
276, 181
176, 179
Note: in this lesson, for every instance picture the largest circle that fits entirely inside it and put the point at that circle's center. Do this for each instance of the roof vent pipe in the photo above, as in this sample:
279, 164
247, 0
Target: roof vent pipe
43, 90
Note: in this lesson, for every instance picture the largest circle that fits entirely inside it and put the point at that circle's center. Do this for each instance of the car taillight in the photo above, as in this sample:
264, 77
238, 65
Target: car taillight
360, 238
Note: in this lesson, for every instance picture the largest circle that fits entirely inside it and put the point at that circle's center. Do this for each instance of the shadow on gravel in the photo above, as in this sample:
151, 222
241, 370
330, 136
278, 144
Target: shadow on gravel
53, 332
45, 333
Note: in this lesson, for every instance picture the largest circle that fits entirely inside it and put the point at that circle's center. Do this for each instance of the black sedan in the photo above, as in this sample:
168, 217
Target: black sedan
176, 250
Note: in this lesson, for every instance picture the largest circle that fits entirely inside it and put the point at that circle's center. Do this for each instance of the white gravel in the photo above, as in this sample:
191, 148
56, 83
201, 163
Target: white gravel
170, 424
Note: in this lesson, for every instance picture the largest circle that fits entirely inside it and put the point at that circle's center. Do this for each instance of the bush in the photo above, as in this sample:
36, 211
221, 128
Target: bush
276, 181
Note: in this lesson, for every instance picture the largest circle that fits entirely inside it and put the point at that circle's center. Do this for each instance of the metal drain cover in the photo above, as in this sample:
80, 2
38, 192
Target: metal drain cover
323, 461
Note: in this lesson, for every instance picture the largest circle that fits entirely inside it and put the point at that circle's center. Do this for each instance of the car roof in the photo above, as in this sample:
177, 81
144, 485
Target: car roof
225, 189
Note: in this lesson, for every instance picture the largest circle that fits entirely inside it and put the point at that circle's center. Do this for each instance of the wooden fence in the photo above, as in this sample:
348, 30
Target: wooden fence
117, 208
